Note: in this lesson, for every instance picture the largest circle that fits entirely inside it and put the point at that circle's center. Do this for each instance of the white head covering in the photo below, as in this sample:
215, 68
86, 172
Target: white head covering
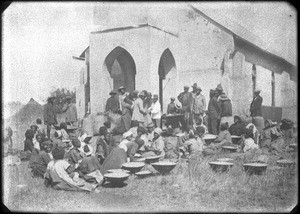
157, 130
127, 134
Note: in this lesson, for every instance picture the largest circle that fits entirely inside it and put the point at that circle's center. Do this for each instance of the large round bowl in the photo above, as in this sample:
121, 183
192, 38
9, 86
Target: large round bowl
133, 167
143, 174
209, 138
163, 167
285, 163
229, 148
152, 159
116, 178
219, 166
118, 171
255, 168
225, 160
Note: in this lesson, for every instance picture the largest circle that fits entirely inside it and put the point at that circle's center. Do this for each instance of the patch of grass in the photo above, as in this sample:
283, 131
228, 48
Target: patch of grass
191, 186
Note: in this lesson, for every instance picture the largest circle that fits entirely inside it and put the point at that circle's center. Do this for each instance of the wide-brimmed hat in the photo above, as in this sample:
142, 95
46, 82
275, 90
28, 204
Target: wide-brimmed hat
257, 90
223, 97
194, 85
122, 87
219, 87
113, 92
136, 92
142, 93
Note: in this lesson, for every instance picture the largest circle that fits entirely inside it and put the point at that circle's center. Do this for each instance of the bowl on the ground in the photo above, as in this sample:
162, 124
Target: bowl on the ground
143, 174
152, 159
229, 148
118, 171
225, 159
209, 138
285, 163
255, 168
164, 167
116, 178
220, 166
133, 167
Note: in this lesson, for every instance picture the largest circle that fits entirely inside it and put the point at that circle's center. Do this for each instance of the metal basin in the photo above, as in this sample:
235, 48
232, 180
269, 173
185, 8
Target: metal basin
209, 138
143, 174
255, 168
116, 178
219, 166
163, 167
118, 171
133, 167
152, 159
229, 148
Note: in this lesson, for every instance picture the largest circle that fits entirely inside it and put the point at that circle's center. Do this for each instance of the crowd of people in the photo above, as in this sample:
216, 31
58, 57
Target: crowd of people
68, 159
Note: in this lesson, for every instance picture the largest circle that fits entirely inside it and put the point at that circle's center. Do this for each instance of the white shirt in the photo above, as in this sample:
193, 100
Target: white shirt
249, 144
155, 110
123, 144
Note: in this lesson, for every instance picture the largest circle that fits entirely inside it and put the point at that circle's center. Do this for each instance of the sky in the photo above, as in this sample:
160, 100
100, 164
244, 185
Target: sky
40, 38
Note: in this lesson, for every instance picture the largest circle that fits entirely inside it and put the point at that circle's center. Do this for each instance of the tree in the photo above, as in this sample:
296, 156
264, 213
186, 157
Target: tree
61, 94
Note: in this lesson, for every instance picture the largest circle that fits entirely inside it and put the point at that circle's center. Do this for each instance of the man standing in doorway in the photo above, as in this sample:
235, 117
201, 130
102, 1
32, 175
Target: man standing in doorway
155, 110
122, 95
198, 105
255, 107
185, 98
138, 110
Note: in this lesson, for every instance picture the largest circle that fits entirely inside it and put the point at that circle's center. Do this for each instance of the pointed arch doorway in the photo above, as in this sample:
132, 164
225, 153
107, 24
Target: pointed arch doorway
166, 65
120, 65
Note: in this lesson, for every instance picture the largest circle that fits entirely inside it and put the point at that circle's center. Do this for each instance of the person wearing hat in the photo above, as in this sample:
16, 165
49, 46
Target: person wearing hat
112, 103
171, 107
214, 110
219, 89
198, 105
138, 110
60, 174
155, 110
226, 109
122, 95
255, 107
50, 111
185, 98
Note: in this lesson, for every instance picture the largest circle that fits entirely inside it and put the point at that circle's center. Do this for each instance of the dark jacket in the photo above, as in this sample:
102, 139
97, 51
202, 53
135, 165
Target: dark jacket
50, 112
237, 129
226, 108
255, 107
214, 108
113, 104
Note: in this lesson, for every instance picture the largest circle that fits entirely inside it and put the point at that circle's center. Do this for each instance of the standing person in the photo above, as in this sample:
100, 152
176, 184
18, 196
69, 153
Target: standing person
147, 102
112, 103
172, 107
185, 99
138, 111
198, 105
71, 111
122, 95
155, 110
193, 95
226, 109
219, 90
50, 112
255, 107
213, 113
256, 112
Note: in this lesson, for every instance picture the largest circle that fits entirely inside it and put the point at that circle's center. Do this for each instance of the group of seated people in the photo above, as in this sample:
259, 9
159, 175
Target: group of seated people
72, 160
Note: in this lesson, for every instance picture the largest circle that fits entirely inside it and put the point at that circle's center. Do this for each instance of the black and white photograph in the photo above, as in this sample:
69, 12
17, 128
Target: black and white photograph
147, 107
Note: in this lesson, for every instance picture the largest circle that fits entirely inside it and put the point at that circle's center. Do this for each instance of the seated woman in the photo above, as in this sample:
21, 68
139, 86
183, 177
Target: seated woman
28, 145
256, 135
128, 136
103, 145
223, 139
89, 167
74, 156
157, 146
248, 141
195, 145
39, 139
136, 144
238, 127
271, 136
60, 174
38, 163
116, 157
